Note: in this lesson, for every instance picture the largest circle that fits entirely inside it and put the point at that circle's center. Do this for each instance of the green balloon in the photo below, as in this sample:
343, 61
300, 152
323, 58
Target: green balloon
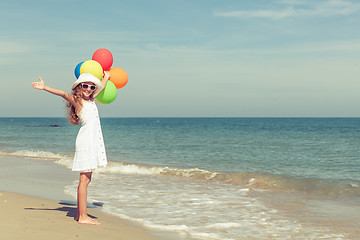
109, 93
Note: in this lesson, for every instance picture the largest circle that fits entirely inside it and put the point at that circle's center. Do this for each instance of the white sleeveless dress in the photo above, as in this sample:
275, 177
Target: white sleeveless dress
89, 148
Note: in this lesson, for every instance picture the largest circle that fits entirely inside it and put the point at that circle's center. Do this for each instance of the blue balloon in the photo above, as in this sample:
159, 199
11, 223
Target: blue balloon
77, 69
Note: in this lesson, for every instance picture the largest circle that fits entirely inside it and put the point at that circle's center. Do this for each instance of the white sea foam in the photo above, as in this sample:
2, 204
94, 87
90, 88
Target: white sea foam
224, 225
25, 153
65, 160
197, 208
123, 168
141, 169
166, 227
248, 181
41, 155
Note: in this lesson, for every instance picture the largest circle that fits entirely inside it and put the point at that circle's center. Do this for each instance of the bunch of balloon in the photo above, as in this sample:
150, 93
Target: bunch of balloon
101, 61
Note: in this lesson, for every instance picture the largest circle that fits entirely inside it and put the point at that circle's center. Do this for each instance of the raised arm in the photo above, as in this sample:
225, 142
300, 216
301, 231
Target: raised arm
41, 86
103, 82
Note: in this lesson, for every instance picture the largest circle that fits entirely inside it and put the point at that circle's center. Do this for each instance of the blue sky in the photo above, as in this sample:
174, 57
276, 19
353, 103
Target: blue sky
190, 58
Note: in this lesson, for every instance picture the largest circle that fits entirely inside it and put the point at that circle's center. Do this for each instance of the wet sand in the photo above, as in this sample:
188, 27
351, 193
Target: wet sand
27, 217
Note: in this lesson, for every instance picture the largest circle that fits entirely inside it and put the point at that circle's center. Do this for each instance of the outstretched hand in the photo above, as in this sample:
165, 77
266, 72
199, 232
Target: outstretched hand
38, 85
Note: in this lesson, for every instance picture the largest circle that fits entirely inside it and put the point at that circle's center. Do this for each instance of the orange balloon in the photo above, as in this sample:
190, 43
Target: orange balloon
118, 76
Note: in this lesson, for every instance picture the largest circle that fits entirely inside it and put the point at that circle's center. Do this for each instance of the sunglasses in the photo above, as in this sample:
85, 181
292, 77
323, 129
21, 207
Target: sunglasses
86, 86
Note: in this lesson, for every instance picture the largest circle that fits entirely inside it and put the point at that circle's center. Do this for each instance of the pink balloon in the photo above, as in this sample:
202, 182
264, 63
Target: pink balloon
104, 57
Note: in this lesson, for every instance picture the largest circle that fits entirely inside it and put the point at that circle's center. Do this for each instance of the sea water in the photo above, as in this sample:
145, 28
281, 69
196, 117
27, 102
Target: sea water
215, 178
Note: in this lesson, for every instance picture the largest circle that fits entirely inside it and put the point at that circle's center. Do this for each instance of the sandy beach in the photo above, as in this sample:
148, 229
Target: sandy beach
29, 217
33, 206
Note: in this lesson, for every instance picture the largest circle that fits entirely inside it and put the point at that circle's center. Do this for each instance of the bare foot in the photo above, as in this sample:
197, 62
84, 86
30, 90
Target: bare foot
88, 220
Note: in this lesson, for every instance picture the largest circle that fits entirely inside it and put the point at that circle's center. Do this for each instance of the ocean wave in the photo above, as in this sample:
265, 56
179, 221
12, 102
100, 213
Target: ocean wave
42, 155
63, 159
247, 180
143, 169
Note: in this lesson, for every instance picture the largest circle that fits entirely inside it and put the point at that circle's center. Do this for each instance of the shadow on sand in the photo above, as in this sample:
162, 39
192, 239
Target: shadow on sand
70, 211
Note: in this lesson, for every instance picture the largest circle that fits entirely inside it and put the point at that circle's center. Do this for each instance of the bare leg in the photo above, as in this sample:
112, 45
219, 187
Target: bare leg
82, 216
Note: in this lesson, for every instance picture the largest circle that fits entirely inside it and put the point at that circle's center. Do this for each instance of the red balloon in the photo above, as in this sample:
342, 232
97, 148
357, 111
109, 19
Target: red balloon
104, 57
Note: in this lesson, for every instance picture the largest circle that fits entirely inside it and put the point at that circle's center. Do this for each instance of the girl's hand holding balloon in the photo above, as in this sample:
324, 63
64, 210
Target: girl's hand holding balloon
106, 75
39, 85
100, 67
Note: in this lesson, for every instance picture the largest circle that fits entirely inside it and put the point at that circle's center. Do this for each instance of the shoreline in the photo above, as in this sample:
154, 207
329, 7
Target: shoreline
33, 218
35, 177
45, 181
39, 184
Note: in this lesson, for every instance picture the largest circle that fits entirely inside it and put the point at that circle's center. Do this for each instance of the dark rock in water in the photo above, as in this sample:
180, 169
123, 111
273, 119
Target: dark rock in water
55, 125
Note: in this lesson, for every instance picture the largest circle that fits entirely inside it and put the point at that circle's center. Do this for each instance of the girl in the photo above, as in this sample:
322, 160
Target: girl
89, 148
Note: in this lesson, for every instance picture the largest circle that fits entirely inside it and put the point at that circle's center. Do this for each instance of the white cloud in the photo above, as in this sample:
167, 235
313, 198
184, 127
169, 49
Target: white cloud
298, 8
328, 48
273, 14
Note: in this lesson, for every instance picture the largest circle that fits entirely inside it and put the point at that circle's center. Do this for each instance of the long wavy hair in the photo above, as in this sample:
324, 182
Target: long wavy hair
72, 113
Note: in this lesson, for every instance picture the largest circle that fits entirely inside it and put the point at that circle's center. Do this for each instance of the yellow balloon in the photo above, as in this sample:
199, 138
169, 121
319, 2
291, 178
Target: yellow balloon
93, 67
